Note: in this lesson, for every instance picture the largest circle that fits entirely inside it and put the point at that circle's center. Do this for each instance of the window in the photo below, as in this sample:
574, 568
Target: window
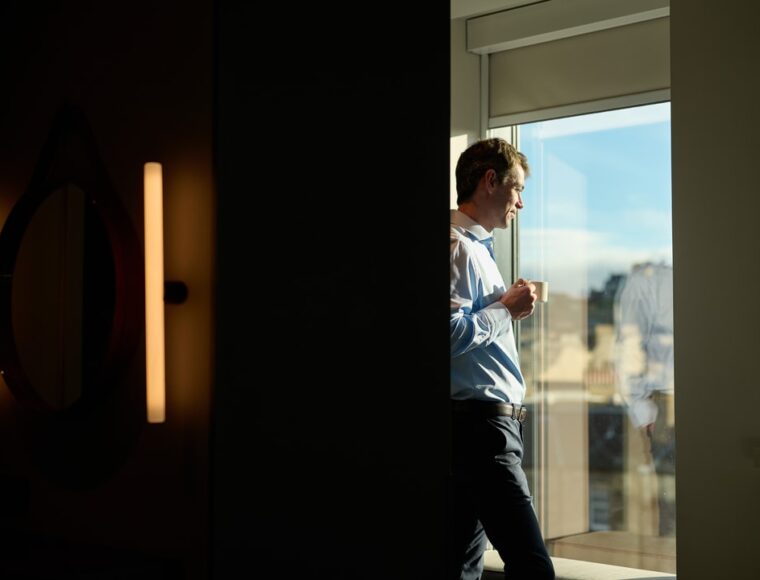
597, 357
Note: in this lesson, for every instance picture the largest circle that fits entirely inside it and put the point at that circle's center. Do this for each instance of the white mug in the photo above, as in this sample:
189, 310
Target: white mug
542, 290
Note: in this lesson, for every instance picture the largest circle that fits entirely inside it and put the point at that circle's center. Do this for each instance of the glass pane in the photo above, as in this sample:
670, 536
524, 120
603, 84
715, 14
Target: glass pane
598, 356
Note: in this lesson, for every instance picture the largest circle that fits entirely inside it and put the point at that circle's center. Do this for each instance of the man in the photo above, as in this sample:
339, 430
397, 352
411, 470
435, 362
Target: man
491, 496
644, 363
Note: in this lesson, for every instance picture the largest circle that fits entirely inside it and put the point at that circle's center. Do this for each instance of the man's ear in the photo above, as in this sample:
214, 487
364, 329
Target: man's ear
490, 178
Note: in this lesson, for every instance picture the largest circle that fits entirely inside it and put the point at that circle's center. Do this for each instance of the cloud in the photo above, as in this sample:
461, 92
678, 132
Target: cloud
649, 219
630, 117
576, 260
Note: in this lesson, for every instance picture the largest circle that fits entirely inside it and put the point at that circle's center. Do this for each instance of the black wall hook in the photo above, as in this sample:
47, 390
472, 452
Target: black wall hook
175, 292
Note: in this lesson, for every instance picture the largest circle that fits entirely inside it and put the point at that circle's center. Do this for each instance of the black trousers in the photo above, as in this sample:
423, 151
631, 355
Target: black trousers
492, 501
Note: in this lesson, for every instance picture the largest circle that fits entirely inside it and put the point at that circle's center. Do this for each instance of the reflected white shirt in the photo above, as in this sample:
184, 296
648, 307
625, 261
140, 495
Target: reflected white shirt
644, 343
484, 361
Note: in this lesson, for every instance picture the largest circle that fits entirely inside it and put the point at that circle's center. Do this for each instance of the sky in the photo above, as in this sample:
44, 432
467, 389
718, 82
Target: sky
599, 196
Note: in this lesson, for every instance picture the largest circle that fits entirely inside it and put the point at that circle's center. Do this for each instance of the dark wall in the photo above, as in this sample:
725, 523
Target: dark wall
102, 490
330, 437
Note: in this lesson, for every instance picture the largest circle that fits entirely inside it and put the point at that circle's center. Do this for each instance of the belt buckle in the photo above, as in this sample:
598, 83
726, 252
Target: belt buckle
521, 414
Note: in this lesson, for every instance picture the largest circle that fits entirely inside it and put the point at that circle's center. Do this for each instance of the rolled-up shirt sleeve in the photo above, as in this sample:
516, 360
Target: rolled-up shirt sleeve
472, 324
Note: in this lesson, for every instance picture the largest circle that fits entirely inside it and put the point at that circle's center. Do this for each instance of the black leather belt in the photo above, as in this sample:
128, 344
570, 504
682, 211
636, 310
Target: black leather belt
488, 409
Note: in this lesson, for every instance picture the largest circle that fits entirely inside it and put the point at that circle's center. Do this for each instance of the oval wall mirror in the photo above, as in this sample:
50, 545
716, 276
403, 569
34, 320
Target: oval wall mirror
71, 309
62, 298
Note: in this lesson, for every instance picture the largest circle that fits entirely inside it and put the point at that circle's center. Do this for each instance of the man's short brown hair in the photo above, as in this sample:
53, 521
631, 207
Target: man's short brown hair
481, 156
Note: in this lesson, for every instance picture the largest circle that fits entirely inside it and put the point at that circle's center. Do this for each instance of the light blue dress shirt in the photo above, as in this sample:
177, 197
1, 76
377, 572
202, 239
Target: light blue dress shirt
484, 361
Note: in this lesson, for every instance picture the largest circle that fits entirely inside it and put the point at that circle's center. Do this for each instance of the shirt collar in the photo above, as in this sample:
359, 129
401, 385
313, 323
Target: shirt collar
469, 225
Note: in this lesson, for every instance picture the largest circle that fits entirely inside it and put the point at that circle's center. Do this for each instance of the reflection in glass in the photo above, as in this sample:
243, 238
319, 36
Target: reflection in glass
597, 357
47, 298
62, 298
644, 365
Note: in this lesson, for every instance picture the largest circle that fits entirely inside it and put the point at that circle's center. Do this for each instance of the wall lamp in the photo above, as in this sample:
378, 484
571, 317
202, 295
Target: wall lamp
158, 291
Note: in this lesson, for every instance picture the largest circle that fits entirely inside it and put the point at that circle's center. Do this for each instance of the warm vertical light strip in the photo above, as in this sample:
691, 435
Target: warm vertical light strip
154, 294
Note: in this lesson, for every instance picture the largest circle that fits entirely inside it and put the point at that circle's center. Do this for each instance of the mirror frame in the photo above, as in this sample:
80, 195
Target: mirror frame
70, 156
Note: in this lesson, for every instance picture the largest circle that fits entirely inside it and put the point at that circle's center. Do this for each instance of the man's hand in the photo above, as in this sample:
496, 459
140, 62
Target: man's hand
520, 299
647, 431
